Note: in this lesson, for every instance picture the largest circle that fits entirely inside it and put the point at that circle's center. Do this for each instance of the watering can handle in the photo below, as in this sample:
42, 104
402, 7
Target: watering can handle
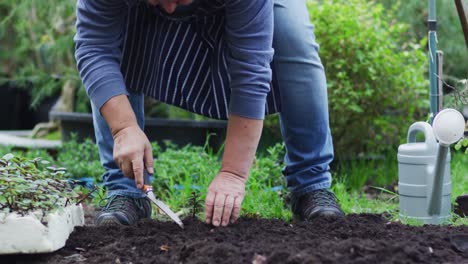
424, 127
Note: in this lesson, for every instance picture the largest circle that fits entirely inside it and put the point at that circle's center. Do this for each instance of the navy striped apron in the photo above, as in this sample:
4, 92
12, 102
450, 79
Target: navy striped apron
181, 59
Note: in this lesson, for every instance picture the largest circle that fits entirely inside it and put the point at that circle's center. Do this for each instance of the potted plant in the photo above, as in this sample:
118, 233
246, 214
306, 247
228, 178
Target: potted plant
37, 208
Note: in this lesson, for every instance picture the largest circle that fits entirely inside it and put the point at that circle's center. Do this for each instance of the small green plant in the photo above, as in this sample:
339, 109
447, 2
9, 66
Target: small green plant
81, 159
196, 202
94, 195
30, 185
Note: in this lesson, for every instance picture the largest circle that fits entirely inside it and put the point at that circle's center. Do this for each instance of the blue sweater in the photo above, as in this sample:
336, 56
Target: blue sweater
100, 30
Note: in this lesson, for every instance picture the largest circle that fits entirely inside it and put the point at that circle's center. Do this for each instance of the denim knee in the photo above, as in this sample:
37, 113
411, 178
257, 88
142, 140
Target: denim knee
294, 37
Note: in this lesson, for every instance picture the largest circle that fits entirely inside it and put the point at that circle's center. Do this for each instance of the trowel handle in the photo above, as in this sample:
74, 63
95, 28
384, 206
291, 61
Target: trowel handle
424, 127
146, 177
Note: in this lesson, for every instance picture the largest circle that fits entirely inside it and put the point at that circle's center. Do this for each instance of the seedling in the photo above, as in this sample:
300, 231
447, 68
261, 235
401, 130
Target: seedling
32, 186
196, 203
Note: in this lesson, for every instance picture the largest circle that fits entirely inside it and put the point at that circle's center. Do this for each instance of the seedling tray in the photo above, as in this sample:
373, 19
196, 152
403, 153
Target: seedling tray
31, 234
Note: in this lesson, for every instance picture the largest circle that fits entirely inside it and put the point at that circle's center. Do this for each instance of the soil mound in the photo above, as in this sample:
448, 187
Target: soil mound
355, 239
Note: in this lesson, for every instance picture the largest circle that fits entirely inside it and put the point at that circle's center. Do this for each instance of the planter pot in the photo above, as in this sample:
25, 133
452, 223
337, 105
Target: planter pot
26, 234
14, 106
180, 132
16, 111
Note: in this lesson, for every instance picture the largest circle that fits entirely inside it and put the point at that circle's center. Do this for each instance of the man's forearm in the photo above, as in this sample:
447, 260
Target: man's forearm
118, 113
243, 135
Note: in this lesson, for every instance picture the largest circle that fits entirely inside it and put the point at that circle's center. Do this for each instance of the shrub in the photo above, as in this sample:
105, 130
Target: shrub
81, 159
37, 42
376, 75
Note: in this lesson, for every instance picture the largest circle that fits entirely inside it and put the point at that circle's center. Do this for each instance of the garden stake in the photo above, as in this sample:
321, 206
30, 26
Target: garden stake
432, 36
148, 189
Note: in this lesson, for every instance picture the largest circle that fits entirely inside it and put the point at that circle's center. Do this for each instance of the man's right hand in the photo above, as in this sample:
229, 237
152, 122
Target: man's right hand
132, 149
133, 153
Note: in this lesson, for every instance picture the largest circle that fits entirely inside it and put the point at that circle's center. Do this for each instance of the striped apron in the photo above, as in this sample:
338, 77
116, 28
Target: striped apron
180, 59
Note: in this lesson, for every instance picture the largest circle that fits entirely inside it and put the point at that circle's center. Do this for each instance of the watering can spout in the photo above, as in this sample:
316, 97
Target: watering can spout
436, 197
448, 128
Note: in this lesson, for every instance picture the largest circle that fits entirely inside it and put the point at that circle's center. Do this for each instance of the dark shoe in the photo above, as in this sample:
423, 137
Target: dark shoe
123, 210
319, 203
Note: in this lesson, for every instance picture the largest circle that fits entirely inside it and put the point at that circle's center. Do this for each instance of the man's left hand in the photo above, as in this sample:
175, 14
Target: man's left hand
224, 199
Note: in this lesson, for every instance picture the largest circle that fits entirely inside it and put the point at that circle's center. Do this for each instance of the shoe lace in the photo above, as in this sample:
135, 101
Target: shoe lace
115, 203
324, 197
134, 206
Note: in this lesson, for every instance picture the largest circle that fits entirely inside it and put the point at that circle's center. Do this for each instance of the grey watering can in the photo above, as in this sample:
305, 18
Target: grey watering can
424, 183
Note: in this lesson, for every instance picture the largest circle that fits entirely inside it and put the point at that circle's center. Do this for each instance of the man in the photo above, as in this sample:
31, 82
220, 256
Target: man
211, 57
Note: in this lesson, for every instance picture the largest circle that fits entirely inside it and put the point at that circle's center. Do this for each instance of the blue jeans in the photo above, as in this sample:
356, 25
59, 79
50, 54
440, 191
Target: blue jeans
303, 118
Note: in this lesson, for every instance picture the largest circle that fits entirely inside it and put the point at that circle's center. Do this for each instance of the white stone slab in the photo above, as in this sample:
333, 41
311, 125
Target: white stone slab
26, 234
22, 142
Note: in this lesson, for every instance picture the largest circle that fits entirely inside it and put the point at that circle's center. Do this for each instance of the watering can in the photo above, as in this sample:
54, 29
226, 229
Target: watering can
424, 183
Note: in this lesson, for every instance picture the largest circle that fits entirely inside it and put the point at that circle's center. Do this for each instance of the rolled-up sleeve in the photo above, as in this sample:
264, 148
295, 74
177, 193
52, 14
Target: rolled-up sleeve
249, 36
98, 39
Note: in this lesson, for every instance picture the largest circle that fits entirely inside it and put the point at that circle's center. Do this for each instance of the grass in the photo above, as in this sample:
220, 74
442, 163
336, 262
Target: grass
459, 167
181, 172
354, 201
191, 169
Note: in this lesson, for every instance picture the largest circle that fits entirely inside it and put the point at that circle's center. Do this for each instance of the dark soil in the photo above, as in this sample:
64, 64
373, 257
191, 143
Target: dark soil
355, 239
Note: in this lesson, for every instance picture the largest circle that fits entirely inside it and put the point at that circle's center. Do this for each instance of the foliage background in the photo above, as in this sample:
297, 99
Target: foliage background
449, 31
376, 78
373, 51
36, 45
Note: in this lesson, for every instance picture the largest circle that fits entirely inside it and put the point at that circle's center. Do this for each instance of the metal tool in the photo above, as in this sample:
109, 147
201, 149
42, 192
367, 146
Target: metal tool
148, 189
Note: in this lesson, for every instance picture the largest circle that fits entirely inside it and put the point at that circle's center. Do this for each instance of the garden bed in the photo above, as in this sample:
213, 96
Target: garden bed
356, 239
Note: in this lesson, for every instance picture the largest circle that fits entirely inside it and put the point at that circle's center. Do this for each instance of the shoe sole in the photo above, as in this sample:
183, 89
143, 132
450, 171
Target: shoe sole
109, 221
322, 215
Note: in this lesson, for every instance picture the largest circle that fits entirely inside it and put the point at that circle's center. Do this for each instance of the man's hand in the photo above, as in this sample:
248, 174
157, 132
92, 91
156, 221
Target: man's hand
169, 5
132, 149
227, 190
224, 199
132, 153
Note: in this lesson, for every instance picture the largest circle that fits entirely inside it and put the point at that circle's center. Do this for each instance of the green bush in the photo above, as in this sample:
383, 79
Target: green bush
81, 159
37, 42
376, 75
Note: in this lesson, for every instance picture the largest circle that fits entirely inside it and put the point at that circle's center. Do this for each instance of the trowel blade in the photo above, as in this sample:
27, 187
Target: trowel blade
165, 209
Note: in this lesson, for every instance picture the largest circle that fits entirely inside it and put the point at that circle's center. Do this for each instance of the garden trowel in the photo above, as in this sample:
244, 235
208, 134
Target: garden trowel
148, 189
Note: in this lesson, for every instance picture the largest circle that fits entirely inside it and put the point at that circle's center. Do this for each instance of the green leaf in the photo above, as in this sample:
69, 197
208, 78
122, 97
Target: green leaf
8, 156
